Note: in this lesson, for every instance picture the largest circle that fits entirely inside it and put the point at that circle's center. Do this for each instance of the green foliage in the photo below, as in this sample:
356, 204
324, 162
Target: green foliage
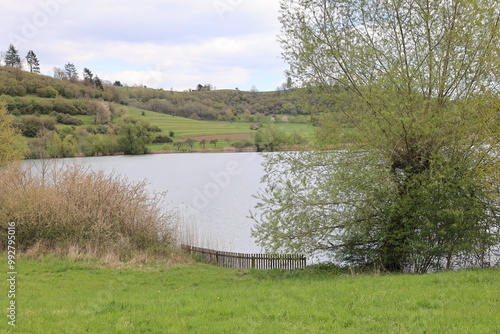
10, 148
243, 143
12, 58
80, 103
415, 80
162, 139
207, 299
32, 125
272, 138
133, 134
48, 91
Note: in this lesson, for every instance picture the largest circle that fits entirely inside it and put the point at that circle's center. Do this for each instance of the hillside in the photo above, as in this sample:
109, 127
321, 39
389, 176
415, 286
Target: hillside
64, 117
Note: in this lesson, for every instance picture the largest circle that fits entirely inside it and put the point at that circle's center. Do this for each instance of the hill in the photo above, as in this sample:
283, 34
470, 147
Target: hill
67, 117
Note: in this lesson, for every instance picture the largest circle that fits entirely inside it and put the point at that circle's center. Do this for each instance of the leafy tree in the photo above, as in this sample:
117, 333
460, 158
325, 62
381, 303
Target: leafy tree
203, 142
270, 139
190, 142
214, 142
12, 57
133, 135
179, 144
418, 189
33, 63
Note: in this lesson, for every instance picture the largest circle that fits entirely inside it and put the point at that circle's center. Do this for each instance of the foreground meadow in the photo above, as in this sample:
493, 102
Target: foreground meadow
71, 296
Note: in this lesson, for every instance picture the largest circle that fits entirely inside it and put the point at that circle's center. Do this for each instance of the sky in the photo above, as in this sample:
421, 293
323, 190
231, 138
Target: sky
169, 44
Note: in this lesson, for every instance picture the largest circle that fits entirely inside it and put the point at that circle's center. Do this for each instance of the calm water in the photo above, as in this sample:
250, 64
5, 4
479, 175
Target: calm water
211, 193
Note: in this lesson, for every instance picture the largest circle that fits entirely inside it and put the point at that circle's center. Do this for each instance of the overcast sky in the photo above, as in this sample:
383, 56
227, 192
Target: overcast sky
158, 43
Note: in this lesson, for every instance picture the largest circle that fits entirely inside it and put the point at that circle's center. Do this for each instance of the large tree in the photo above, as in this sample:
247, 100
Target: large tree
418, 81
133, 134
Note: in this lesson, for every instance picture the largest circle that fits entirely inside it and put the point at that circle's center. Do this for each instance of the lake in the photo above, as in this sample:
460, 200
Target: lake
212, 193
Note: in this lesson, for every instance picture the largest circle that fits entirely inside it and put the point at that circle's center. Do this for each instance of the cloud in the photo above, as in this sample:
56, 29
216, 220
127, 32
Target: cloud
222, 42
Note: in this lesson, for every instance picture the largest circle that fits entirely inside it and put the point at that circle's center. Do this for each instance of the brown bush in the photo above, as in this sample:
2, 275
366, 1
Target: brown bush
73, 208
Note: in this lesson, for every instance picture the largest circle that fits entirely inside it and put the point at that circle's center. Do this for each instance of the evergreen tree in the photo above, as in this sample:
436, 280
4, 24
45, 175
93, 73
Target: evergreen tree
70, 71
98, 83
88, 76
33, 62
12, 57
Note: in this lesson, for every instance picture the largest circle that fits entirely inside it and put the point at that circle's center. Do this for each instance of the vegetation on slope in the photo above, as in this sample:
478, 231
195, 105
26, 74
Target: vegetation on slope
67, 117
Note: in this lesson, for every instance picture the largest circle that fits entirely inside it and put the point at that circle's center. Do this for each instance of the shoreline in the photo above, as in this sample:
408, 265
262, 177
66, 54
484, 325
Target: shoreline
226, 149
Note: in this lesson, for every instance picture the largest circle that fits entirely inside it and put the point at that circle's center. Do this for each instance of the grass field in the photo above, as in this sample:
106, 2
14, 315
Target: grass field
185, 127
69, 296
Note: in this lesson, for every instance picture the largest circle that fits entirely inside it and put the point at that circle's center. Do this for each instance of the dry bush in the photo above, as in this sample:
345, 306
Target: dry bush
74, 211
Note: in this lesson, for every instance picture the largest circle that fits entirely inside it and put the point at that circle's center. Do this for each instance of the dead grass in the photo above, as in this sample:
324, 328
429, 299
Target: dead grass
79, 213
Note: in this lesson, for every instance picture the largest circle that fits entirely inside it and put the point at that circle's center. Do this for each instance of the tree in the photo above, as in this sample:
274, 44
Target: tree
190, 142
88, 76
203, 142
33, 63
98, 83
270, 139
101, 112
133, 135
12, 58
179, 144
416, 79
59, 73
70, 71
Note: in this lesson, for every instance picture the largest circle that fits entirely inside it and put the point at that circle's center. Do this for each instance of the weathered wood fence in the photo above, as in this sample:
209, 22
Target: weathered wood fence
247, 261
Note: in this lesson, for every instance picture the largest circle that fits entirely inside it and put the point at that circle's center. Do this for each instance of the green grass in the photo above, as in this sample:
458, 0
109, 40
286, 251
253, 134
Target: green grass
66, 296
185, 127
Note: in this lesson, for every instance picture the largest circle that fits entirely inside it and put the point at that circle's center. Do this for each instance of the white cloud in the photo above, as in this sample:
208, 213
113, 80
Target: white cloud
222, 42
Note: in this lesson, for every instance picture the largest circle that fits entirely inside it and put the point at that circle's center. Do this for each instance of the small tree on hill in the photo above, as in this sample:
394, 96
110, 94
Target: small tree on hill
12, 58
88, 76
33, 62
70, 70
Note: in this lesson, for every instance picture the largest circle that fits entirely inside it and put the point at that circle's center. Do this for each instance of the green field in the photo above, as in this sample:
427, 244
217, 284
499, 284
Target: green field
185, 127
70, 296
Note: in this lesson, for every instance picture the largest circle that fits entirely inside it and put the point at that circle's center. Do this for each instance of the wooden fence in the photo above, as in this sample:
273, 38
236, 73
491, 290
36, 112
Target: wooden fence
255, 261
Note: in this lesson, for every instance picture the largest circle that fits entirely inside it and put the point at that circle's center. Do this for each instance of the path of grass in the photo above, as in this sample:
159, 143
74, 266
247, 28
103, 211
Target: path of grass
64, 296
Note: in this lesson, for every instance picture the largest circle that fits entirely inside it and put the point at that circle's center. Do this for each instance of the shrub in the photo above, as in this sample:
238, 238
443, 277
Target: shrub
68, 119
33, 124
70, 208
48, 91
243, 143
161, 139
